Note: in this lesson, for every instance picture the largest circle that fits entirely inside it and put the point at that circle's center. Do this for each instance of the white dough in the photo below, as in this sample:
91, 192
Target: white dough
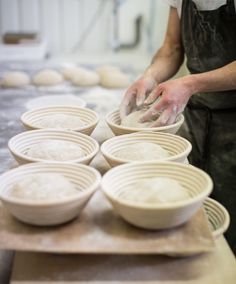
107, 68
43, 187
47, 77
142, 151
156, 190
55, 150
65, 121
132, 119
114, 79
84, 77
69, 72
15, 80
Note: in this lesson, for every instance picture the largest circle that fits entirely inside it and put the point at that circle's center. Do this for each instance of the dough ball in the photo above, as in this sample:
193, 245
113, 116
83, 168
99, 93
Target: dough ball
142, 151
15, 80
84, 77
66, 121
69, 72
47, 77
104, 69
43, 187
156, 190
114, 79
56, 150
132, 119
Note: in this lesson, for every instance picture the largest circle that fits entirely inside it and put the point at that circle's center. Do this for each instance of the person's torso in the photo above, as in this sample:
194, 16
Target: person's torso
209, 41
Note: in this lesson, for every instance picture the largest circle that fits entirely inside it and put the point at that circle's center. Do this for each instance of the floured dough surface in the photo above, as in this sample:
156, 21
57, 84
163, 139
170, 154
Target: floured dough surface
84, 77
142, 151
62, 121
155, 191
15, 80
47, 77
43, 187
132, 120
56, 150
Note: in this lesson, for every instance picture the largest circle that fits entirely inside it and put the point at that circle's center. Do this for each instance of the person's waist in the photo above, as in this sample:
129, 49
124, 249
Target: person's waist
215, 100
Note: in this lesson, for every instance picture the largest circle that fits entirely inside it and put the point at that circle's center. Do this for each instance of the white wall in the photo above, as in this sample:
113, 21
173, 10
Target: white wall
63, 22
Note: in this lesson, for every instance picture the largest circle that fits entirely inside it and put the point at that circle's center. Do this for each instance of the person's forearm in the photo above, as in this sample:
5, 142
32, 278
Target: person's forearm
221, 79
165, 63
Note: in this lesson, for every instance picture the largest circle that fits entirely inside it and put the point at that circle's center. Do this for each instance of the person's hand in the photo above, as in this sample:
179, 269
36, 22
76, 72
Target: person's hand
136, 94
173, 96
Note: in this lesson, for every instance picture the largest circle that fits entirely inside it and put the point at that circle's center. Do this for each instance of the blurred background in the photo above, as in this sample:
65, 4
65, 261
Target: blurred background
127, 32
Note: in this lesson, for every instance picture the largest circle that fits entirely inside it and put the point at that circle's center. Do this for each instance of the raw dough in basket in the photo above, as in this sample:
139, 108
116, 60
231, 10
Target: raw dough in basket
132, 119
43, 187
84, 77
64, 121
142, 151
15, 80
55, 150
48, 77
155, 190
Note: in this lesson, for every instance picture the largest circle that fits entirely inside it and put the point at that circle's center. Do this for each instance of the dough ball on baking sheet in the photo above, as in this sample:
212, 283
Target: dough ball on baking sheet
114, 79
155, 190
64, 121
84, 77
69, 72
55, 150
43, 187
15, 79
142, 151
47, 77
104, 69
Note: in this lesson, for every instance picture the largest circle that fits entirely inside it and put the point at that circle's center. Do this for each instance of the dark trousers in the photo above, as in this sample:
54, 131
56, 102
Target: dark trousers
213, 137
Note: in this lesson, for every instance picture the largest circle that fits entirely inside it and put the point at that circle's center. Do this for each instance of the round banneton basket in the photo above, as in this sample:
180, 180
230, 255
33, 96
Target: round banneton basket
218, 217
86, 180
196, 182
31, 119
19, 144
176, 146
113, 120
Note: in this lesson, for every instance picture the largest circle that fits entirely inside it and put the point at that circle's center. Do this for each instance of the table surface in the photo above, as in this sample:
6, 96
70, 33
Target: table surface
210, 268
216, 267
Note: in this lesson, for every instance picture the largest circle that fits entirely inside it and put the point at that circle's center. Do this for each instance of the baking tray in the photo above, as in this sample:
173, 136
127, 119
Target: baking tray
99, 230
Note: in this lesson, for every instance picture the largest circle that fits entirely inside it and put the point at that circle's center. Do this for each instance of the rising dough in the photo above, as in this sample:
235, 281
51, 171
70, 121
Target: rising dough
15, 80
43, 187
155, 190
47, 77
132, 119
69, 72
142, 151
114, 79
107, 68
55, 150
84, 77
65, 121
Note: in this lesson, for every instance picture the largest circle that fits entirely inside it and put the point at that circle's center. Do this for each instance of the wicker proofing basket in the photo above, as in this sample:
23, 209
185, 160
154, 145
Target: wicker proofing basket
31, 119
85, 178
156, 216
20, 143
178, 147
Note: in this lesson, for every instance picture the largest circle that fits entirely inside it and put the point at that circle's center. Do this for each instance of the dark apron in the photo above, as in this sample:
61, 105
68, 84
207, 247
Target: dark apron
209, 40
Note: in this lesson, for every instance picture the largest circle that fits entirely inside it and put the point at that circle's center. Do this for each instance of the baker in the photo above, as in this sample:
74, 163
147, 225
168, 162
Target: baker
204, 32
